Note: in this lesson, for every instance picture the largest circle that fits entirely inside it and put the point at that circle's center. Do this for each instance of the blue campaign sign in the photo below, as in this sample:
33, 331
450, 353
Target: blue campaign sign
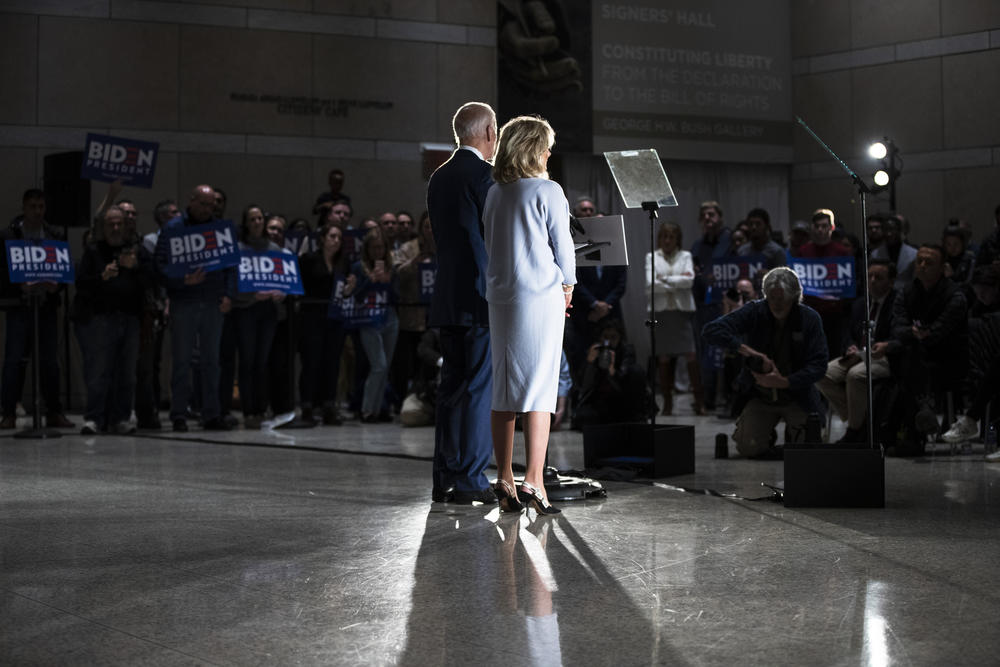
827, 277
359, 310
108, 159
427, 272
210, 246
269, 270
727, 271
300, 241
37, 261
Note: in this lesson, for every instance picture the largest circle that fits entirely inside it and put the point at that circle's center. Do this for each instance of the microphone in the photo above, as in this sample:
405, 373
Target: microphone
575, 227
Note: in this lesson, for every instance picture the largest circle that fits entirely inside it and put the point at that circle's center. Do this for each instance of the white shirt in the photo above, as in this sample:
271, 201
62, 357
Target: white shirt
673, 277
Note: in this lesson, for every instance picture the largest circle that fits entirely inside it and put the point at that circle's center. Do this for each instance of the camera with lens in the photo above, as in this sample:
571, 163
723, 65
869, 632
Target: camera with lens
604, 355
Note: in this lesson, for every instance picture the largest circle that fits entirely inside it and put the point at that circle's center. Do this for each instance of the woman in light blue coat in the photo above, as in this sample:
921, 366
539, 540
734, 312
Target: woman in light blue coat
529, 286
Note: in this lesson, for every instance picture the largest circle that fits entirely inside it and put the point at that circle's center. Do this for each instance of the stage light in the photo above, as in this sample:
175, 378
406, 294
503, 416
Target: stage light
881, 178
878, 150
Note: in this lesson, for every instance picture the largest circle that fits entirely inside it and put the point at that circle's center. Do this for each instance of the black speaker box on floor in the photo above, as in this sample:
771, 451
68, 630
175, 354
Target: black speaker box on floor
661, 451
67, 196
826, 475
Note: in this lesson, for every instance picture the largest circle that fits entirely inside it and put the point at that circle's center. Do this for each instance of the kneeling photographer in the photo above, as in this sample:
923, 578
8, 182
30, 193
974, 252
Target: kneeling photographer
785, 354
612, 387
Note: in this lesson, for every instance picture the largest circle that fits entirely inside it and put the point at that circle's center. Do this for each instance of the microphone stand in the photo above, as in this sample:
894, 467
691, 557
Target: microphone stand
863, 190
37, 431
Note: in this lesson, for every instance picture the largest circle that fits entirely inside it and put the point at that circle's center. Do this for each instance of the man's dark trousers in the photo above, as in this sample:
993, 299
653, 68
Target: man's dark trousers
463, 444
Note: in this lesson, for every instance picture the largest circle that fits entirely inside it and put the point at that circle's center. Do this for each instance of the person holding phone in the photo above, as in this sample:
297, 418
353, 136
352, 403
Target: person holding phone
373, 284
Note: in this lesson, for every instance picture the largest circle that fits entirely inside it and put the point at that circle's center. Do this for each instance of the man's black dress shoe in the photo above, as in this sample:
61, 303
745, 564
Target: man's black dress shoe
216, 424
440, 495
485, 496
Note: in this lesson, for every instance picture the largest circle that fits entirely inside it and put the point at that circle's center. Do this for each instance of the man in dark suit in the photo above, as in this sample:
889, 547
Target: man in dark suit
456, 194
845, 383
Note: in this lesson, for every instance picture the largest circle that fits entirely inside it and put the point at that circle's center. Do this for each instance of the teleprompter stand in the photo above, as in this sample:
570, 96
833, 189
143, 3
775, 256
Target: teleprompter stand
826, 475
37, 431
664, 450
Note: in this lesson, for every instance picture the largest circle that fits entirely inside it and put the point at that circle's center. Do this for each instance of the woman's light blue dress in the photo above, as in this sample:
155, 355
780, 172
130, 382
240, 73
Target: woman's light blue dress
526, 226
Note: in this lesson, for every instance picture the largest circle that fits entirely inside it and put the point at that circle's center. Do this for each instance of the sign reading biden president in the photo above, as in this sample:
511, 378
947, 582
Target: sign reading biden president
35, 261
108, 159
826, 277
269, 270
211, 246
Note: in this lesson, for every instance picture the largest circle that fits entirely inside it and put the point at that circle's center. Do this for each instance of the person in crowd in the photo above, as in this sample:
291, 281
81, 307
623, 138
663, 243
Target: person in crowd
255, 319
584, 207
785, 350
612, 385
390, 230
339, 214
418, 407
20, 323
322, 339
739, 240
929, 344
375, 284
958, 260
335, 180
279, 392
219, 209
198, 301
673, 310
981, 385
760, 243
596, 298
799, 235
456, 193
111, 286
832, 310
985, 286
405, 227
896, 250
410, 258
846, 380
131, 213
966, 228
873, 227
529, 288
151, 330
713, 244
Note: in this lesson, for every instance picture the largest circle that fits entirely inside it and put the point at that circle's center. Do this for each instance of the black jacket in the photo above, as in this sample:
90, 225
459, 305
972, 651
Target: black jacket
753, 324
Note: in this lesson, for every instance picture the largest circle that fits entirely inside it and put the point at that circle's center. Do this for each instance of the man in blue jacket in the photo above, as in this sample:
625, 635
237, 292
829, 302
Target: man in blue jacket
456, 194
198, 300
785, 350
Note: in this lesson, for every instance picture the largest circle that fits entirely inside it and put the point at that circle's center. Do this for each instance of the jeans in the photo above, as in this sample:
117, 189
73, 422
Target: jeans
110, 346
147, 391
17, 349
254, 327
379, 344
192, 321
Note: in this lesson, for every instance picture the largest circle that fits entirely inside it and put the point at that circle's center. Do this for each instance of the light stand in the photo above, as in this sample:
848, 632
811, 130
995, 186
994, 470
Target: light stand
37, 431
652, 207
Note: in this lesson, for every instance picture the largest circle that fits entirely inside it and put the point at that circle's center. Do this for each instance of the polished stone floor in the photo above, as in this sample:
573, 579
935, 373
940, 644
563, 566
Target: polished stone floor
321, 547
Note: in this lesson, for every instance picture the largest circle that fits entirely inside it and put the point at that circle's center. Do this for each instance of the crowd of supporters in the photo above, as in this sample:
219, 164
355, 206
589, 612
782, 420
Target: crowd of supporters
355, 344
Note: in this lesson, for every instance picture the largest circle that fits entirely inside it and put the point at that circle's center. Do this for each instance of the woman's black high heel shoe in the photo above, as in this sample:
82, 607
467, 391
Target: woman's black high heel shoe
507, 496
529, 495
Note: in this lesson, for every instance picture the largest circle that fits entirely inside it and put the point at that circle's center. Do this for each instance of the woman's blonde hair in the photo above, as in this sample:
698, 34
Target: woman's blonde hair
521, 148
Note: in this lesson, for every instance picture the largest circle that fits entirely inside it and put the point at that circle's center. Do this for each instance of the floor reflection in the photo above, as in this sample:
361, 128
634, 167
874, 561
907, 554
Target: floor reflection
518, 589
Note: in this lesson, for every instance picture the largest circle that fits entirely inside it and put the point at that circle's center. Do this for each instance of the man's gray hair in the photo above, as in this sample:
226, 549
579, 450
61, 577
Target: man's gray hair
784, 278
471, 121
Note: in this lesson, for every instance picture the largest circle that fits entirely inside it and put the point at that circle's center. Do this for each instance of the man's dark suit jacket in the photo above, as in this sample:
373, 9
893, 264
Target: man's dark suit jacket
859, 319
589, 288
456, 194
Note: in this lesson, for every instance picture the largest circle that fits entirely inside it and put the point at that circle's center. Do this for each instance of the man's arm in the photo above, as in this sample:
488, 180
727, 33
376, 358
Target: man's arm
814, 367
955, 311
727, 331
